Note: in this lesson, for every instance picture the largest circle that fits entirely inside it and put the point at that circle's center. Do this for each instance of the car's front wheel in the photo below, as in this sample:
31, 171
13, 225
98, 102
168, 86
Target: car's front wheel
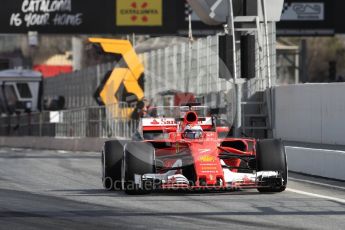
138, 160
112, 154
271, 156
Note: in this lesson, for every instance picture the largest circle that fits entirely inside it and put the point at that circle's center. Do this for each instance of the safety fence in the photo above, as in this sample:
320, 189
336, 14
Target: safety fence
104, 122
194, 67
77, 88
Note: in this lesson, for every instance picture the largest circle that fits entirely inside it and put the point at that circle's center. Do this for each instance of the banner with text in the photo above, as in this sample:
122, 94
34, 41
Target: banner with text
139, 13
88, 16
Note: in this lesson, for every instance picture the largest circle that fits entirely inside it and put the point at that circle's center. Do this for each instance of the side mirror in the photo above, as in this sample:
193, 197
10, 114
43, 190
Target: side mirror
223, 131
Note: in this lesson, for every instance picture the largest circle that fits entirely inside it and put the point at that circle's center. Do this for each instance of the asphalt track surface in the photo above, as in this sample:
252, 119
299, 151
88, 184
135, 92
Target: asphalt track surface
62, 190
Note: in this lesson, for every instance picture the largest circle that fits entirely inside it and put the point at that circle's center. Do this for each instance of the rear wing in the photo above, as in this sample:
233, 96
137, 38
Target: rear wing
172, 124
159, 124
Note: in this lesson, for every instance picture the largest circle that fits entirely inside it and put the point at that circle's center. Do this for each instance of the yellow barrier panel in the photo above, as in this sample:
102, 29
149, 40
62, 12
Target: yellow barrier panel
129, 77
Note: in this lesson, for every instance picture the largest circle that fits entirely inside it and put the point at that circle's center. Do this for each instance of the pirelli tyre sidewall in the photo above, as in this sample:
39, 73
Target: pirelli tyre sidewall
112, 154
271, 156
139, 159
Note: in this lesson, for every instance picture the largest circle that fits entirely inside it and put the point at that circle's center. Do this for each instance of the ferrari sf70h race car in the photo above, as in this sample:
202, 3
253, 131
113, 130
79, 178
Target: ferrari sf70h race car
183, 149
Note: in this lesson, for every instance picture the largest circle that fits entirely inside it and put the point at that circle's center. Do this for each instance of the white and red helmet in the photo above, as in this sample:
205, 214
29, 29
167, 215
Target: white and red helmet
192, 132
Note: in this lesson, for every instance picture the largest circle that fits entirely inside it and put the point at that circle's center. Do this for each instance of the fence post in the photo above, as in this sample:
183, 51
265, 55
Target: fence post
29, 123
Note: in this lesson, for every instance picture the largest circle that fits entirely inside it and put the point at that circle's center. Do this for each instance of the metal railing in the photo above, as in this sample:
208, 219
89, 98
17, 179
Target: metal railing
78, 87
102, 122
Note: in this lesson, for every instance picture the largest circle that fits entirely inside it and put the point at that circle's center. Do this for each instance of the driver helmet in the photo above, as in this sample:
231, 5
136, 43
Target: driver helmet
193, 132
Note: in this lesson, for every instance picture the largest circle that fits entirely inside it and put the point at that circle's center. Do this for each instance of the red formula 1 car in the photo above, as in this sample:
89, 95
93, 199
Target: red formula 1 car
179, 148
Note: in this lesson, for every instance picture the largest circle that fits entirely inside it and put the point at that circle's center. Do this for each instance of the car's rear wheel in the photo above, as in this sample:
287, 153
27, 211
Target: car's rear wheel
139, 159
112, 154
271, 156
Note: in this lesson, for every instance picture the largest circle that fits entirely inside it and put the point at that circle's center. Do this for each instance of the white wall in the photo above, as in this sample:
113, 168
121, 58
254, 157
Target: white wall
312, 113
317, 162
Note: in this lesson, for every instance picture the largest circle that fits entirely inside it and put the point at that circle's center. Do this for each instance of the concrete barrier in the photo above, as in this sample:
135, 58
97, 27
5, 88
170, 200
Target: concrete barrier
318, 160
68, 144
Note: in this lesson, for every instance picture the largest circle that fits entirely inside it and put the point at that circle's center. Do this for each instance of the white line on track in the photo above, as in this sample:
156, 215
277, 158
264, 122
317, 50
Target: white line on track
62, 151
324, 150
16, 149
316, 195
317, 183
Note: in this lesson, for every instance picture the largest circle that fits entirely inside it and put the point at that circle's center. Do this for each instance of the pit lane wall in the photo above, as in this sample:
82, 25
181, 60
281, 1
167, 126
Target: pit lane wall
310, 117
319, 160
311, 113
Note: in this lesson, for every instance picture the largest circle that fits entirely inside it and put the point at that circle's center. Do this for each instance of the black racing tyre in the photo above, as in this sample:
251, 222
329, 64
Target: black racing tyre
112, 155
139, 159
271, 156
